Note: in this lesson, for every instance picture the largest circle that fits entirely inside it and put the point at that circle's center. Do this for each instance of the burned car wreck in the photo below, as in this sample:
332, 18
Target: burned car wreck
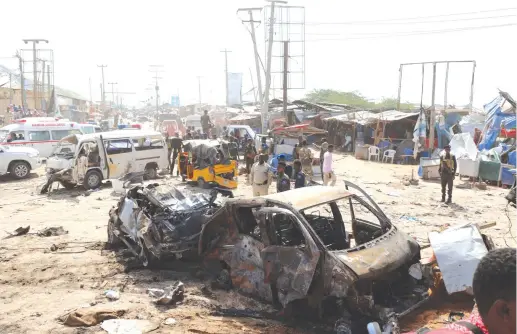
157, 222
330, 250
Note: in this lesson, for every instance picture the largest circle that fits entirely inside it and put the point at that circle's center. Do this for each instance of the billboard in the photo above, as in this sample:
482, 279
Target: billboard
234, 88
175, 101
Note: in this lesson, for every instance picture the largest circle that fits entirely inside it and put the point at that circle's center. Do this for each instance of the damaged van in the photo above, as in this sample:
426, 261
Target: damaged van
107, 155
330, 249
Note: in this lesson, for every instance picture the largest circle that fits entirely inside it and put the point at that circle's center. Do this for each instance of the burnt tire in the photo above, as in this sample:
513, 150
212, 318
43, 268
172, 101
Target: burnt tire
20, 169
113, 241
151, 173
92, 180
67, 185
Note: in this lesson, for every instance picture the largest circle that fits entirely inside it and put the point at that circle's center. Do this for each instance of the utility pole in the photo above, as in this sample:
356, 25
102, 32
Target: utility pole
48, 82
90, 84
255, 51
226, 73
199, 89
432, 122
265, 103
103, 86
22, 81
253, 85
156, 69
112, 93
35, 67
286, 63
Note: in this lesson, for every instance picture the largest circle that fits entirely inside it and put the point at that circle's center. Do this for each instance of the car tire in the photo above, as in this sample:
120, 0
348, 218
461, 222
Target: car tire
113, 241
67, 185
20, 169
151, 173
92, 179
201, 183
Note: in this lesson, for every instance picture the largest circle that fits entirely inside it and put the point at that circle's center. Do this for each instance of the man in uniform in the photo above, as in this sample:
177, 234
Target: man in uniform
323, 149
447, 172
206, 124
260, 177
299, 177
305, 156
283, 182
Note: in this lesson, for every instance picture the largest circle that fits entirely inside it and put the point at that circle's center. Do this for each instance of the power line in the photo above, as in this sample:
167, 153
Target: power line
401, 34
433, 21
409, 18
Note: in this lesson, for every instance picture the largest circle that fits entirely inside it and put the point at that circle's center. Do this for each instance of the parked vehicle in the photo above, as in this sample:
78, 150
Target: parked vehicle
193, 122
159, 222
207, 163
108, 155
328, 249
18, 161
40, 133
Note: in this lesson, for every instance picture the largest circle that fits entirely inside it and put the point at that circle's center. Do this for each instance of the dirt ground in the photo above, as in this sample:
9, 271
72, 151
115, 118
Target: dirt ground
38, 285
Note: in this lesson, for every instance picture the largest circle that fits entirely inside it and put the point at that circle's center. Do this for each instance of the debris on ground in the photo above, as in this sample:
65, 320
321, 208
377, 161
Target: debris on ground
481, 185
458, 251
170, 321
173, 294
90, 316
128, 326
19, 231
52, 231
112, 294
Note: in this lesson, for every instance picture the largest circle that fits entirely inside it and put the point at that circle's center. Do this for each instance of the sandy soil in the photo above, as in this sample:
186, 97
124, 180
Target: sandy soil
38, 285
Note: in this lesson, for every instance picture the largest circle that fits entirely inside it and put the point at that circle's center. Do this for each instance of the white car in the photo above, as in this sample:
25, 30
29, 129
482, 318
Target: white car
18, 160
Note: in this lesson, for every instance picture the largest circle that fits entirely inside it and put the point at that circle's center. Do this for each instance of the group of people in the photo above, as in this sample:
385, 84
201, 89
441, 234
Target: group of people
261, 176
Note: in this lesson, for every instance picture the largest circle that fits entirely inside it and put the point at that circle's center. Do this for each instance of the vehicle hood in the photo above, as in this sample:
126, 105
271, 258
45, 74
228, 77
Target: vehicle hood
387, 253
22, 149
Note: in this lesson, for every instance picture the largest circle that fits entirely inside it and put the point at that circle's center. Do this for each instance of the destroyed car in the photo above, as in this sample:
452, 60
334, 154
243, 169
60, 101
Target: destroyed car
158, 221
331, 249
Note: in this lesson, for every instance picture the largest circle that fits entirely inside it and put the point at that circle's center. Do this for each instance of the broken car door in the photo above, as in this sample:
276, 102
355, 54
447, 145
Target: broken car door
290, 255
120, 157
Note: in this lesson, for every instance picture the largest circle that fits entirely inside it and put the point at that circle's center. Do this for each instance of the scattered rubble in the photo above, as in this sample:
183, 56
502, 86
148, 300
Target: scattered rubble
172, 295
128, 326
90, 316
52, 231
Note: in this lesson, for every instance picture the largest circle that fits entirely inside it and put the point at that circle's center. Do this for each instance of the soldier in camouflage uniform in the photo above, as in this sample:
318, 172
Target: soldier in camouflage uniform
305, 156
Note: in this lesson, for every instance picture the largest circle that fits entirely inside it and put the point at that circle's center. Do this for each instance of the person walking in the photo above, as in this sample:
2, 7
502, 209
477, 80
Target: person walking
260, 177
206, 124
447, 172
176, 145
305, 156
323, 148
299, 177
328, 172
283, 182
249, 153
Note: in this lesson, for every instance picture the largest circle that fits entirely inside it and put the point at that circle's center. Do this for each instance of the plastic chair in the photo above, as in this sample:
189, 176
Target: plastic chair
373, 151
408, 153
389, 154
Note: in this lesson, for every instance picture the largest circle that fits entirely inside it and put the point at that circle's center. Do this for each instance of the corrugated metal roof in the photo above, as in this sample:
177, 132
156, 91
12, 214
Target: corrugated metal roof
364, 117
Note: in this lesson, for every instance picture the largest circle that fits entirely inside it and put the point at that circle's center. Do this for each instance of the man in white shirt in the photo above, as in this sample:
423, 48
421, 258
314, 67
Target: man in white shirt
328, 173
260, 176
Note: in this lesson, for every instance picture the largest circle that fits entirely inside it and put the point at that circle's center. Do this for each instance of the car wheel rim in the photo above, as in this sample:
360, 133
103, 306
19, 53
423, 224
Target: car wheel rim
21, 170
93, 180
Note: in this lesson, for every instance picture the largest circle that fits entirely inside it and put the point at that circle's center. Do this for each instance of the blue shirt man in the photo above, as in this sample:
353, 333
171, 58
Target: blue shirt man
283, 182
299, 176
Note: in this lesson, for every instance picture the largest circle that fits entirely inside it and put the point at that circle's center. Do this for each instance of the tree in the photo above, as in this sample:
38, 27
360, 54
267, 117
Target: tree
354, 99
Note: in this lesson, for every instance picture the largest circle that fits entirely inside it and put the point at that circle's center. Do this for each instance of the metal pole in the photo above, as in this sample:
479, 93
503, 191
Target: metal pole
433, 113
43, 84
265, 103
112, 92
199, 89
445, 92
422, 89
103, 86
253, 85
90, 84
35, 69
400, 87
226, 74
257, 61
286, 63
472, 86
22, 81
48, 83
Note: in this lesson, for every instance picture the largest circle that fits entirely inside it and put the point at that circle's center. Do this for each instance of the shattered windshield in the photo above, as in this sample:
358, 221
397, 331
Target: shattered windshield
173, 199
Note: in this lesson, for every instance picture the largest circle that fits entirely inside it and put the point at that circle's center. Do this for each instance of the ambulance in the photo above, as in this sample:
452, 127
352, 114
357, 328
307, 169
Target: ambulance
41, 133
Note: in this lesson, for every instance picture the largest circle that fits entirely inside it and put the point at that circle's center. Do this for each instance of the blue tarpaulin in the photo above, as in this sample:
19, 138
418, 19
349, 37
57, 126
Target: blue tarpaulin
509, 122
494, 119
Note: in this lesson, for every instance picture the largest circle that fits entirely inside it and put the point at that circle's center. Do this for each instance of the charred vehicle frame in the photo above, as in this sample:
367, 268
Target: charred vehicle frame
157, 222
280, 248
